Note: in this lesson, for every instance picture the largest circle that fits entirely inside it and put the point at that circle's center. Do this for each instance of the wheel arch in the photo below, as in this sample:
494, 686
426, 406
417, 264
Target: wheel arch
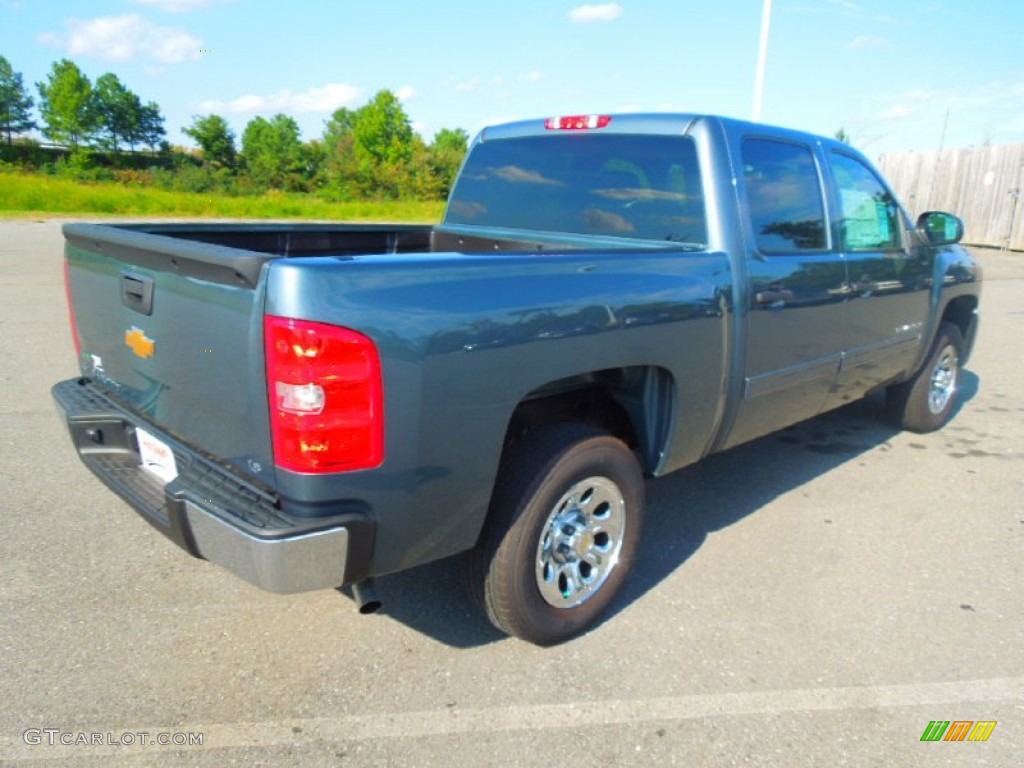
962, 312
636, 404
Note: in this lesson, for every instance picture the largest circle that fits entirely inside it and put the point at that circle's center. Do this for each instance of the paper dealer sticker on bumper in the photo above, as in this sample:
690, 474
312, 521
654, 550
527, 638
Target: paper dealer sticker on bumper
157, 457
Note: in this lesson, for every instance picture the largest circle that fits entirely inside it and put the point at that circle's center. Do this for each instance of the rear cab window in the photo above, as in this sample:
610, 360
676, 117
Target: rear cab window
633, 186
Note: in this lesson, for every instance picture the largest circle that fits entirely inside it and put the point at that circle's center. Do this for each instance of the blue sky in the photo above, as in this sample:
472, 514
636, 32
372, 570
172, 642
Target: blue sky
886, 72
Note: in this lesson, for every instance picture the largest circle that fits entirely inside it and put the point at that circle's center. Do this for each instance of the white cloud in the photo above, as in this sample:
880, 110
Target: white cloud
124, 38
866, 41
468, 86
326, 98
896, 112
587, 14
961, 115
534, 76
405, 93
996, 95
847, 5
174, 6
841, 7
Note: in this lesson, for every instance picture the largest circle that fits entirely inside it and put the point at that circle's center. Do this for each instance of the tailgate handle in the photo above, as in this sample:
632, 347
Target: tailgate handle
137, 293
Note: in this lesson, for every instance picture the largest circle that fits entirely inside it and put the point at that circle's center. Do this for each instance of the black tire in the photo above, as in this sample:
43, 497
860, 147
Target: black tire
533, 578
927, 401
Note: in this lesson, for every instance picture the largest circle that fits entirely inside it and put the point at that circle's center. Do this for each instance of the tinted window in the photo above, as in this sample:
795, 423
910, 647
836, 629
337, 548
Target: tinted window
632, 186
870, 213
787, 213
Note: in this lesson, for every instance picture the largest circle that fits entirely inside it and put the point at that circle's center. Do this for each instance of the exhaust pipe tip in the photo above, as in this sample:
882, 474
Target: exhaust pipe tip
365, 594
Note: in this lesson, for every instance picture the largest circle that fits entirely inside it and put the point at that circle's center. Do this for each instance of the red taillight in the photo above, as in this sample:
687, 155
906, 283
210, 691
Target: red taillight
326, 397
578, 122
75, 338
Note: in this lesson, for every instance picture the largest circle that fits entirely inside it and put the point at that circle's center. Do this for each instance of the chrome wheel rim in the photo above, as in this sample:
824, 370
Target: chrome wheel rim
943, 381
580, 542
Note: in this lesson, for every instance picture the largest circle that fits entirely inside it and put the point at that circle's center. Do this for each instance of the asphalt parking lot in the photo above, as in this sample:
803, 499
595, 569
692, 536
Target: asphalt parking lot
817, 597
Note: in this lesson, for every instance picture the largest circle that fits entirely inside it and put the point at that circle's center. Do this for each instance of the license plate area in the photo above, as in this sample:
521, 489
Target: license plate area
156, 457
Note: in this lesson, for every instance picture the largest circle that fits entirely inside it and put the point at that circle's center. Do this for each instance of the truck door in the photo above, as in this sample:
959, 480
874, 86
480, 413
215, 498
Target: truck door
888, 284
795, 312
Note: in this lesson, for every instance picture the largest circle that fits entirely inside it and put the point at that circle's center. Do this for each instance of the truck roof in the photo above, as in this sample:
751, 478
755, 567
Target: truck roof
663, 123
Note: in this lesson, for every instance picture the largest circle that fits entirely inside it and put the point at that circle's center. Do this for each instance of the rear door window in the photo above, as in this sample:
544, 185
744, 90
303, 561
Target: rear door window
784, 197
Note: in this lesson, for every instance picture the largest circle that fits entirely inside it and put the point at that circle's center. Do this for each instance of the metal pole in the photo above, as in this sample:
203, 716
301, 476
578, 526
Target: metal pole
762, 60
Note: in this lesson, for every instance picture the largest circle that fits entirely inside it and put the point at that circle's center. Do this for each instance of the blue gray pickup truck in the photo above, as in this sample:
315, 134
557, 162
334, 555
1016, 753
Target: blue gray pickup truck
607, 298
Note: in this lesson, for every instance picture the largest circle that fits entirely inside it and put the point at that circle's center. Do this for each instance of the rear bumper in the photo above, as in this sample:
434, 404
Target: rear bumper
212, 512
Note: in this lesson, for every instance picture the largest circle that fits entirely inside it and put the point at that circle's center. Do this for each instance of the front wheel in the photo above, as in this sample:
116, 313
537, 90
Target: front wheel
926, 402
561, 533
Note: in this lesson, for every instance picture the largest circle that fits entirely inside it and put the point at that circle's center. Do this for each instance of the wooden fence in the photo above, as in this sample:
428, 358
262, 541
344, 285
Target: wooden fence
982, 186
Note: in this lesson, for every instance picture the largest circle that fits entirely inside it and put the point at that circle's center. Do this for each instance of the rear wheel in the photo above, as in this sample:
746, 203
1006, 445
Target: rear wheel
561, 533
926, 402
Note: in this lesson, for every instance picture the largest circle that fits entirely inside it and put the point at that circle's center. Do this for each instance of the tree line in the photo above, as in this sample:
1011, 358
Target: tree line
75, 112
370, 152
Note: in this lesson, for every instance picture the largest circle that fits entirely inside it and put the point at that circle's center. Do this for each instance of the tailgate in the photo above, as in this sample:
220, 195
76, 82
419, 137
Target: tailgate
172, 329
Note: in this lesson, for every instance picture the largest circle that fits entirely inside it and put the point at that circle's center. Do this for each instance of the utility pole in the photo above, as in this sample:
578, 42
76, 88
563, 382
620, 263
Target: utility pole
762, 60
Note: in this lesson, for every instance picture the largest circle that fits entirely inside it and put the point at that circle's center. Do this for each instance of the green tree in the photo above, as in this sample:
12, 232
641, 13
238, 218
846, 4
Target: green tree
446, 154
423, 181
382, 132
843, 136
123, 118
66, 104
339, 160
314, 160
118, 112
15, 102
215, 138
273, 153
340, 126
150, 130
370, 151
383, 145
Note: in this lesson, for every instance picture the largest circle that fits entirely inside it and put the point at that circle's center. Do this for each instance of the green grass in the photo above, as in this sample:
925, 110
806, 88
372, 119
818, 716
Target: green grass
24, 194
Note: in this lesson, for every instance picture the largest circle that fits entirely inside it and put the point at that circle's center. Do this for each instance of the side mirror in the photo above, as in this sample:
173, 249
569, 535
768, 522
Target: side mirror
940, 228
